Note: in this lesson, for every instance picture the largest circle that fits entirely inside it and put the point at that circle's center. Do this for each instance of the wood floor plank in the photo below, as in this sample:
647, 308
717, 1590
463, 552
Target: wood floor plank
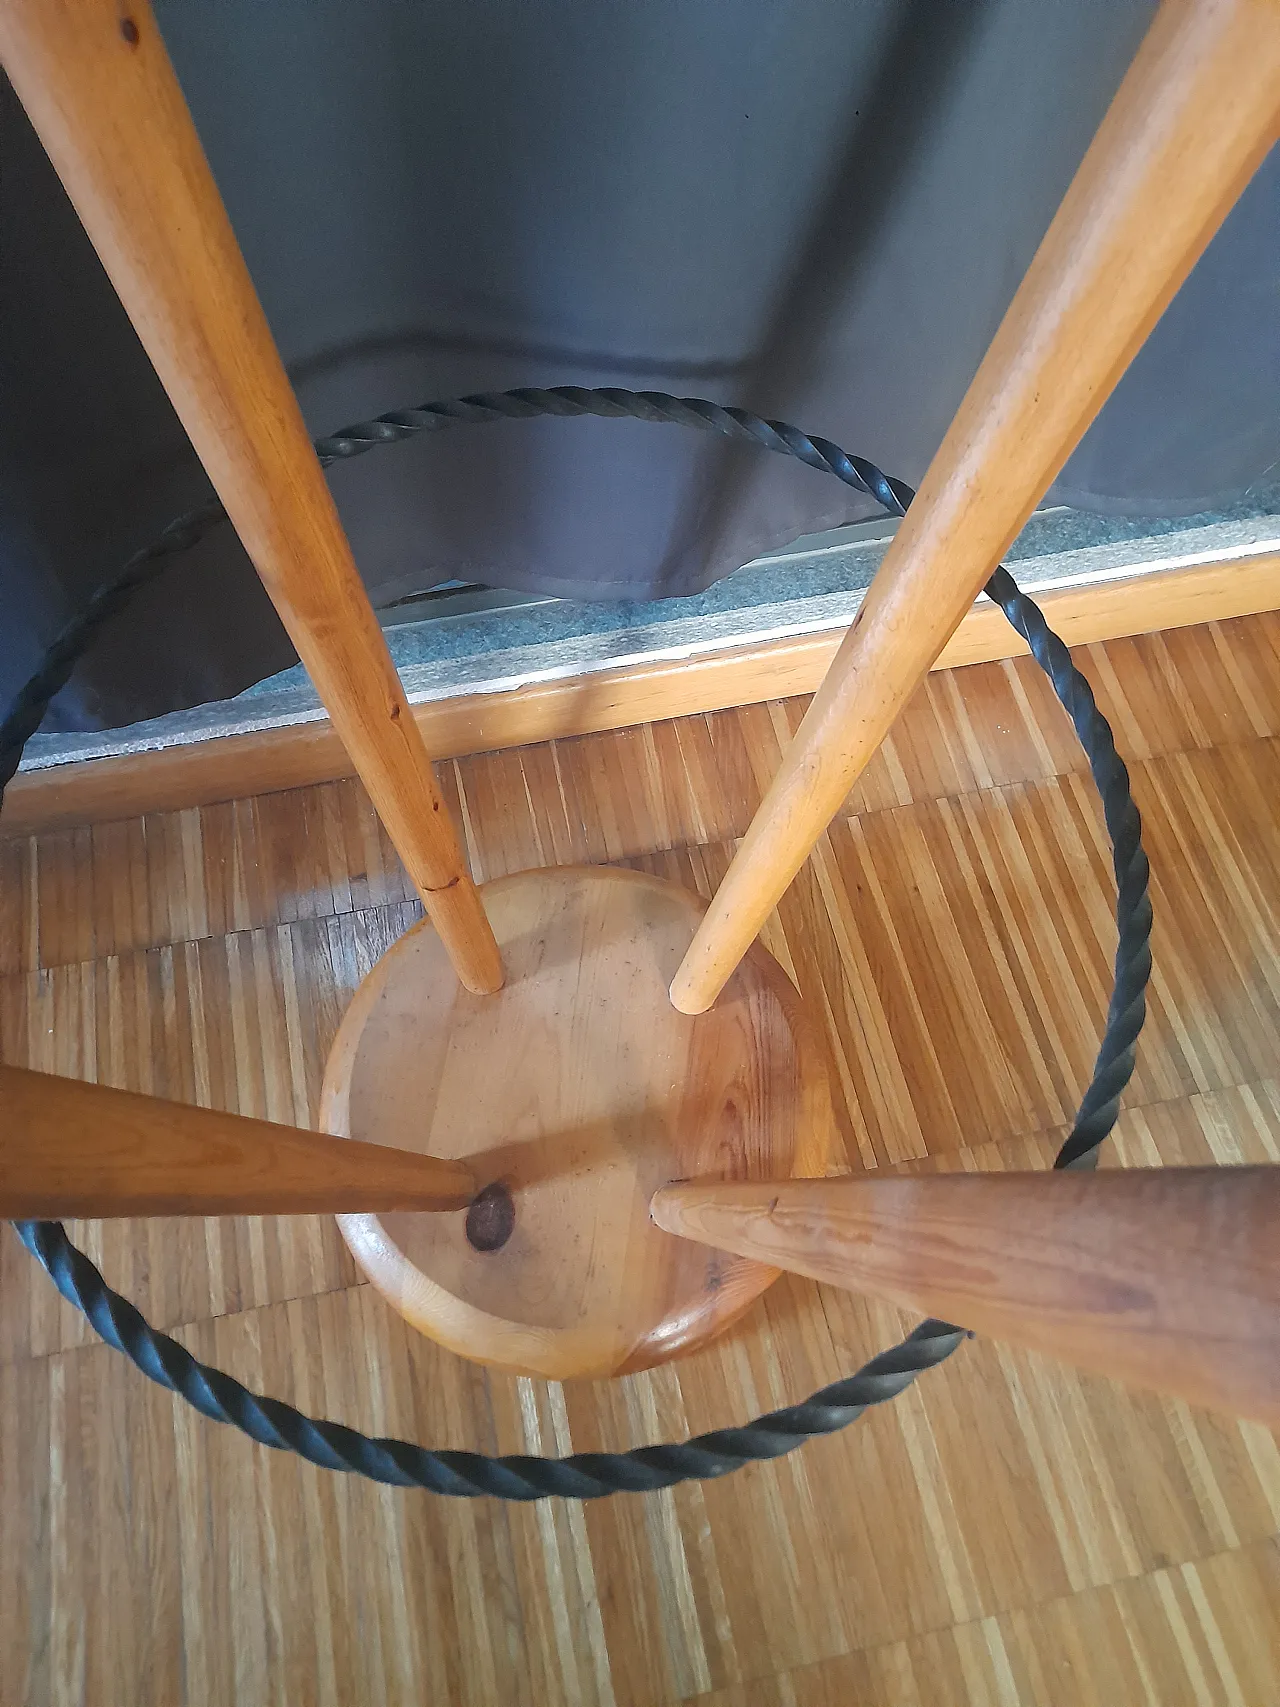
998, 1484
86, 893
1203, 1635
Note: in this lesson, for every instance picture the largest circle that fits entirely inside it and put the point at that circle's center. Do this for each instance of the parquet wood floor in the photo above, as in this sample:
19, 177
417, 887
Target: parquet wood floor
1008, 1533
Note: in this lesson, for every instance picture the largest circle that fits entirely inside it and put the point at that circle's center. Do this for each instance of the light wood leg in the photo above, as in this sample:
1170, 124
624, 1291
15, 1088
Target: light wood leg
1165, 1277
1189, 125
96, 81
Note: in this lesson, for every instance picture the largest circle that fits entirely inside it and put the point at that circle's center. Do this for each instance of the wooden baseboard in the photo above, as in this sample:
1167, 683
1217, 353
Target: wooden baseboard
227, 767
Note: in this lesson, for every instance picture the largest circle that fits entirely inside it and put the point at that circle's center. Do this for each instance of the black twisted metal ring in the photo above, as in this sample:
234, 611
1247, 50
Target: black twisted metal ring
590, 1475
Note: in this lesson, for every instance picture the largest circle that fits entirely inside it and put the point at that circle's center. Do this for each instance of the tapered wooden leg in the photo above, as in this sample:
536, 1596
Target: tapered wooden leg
96, 81
1191, 122
1164, 1277
71, 1149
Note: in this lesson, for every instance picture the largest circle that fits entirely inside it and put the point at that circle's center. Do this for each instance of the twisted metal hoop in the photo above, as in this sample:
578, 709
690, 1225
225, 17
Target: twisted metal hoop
590, 1475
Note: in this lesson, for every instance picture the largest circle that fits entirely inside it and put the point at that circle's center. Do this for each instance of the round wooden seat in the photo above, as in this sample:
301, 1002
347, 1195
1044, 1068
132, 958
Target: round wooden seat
574, 1093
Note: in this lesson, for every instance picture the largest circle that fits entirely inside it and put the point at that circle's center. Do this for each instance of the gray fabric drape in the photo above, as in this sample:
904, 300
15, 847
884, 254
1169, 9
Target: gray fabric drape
812, 208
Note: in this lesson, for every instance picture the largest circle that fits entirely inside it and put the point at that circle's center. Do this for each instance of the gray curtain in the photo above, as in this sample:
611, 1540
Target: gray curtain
812, 208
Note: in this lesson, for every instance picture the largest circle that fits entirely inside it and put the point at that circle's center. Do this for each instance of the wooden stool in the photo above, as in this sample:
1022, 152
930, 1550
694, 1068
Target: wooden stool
576, 1093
